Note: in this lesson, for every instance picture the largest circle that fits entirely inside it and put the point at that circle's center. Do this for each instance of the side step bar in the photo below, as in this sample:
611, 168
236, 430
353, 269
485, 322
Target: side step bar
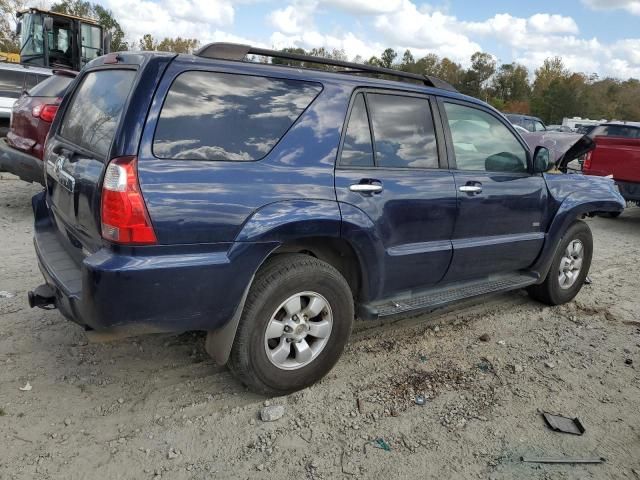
444, 295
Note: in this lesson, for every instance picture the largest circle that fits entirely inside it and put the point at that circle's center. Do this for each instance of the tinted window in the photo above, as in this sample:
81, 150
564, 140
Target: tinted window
54, 86
403, 131
619, 131
220, 116
11, 83
357, 149
482, 142
92, 116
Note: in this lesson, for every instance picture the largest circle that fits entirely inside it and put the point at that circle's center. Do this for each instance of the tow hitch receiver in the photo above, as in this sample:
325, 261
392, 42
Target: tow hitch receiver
43, 297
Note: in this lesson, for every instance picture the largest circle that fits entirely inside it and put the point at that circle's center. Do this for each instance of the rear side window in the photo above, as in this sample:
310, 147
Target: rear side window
403, 131
221, 116
92, 116
54, 86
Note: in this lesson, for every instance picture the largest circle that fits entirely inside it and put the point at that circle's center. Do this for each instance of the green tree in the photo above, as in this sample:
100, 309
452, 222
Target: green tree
9, 41
388, 57
476, 78
178, 45
147, 42
408, 63
511, 83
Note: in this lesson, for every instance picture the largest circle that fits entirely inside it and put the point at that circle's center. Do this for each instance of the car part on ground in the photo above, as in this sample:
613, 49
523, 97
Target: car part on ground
267, 205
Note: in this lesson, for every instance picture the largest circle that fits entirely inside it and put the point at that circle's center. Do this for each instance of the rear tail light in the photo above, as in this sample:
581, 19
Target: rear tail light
124, 215
587, 161
45, 112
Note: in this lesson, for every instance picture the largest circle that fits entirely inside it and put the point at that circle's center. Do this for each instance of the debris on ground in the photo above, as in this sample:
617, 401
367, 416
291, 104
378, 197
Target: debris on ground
272, 413
381, 443
563, 424
485, 337
628, 361
5, 294
562, 460
26, 388
587, 280
420, 400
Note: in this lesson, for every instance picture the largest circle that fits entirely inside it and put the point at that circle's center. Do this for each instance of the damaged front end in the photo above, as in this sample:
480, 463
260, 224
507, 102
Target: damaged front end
563, 147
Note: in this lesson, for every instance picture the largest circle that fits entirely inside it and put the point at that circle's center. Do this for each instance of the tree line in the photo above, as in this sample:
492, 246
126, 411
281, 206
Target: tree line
551, 92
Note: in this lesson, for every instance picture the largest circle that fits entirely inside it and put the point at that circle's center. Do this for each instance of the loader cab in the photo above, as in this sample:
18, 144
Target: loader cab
54, 40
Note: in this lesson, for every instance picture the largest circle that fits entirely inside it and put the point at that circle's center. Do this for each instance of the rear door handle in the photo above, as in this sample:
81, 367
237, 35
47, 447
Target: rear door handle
366, 187
470, 188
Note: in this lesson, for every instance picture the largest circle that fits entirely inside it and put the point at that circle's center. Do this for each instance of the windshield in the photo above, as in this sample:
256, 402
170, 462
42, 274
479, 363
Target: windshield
91, 43
54, 47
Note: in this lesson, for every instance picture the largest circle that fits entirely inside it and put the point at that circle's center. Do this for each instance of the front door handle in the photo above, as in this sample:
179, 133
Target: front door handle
366, 187
470, 188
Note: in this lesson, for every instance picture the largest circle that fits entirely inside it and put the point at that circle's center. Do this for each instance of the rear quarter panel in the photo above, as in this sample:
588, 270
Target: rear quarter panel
199, 201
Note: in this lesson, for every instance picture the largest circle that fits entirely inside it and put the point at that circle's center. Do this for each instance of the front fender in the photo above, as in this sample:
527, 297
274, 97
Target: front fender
574, 196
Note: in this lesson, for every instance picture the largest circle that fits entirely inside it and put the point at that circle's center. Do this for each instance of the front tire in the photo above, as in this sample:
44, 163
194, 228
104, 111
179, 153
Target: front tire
295, 324
569, 268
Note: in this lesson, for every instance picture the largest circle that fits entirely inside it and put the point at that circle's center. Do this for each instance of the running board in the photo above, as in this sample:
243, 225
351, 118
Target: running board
441, 296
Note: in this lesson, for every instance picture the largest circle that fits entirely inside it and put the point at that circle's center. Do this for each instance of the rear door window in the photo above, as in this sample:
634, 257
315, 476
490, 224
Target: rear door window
92, 116
221, 116
403, 131
54, 86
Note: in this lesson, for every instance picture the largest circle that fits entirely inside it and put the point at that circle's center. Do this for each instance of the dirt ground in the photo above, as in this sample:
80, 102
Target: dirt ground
157, 406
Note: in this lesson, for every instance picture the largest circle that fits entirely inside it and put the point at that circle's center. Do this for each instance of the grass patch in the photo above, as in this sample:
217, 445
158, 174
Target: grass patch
2, 412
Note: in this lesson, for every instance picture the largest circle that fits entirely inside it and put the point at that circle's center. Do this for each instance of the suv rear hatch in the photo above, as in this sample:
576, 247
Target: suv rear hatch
77, 155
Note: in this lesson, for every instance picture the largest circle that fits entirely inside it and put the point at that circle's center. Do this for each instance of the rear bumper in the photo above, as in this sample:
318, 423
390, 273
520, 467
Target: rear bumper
25, 166
149, 289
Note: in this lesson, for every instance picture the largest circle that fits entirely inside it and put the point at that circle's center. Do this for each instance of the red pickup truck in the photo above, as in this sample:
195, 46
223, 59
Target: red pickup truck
617, 153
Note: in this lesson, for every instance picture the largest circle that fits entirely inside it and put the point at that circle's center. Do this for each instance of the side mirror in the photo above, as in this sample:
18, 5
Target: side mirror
19, 28
541, 160
48, 24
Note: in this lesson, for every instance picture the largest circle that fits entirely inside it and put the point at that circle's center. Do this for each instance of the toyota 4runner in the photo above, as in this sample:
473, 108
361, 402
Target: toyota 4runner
270, 205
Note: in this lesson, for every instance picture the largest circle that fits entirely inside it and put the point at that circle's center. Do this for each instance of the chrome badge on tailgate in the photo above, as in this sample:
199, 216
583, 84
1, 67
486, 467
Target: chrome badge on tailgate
58, 173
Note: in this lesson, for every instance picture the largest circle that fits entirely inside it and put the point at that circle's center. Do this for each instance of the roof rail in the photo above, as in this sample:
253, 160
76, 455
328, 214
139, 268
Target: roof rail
236, 51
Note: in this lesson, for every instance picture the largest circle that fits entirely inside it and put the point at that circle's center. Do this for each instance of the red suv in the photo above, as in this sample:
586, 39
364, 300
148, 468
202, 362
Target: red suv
617, 153
31, 117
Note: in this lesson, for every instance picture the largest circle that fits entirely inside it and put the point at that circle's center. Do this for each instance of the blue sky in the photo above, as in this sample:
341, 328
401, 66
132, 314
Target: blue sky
592, 36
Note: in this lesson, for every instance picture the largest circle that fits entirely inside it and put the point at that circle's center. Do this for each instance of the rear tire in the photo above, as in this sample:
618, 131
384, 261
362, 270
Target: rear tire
614, 214
564, 280
295, 324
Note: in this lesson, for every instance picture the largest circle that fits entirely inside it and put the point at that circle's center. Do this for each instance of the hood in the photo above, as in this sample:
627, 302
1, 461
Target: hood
564, 147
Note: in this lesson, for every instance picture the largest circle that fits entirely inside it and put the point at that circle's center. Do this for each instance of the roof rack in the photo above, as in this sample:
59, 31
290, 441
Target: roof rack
236, 51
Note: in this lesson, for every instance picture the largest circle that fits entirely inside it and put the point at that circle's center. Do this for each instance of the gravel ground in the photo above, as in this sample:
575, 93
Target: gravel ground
157, 406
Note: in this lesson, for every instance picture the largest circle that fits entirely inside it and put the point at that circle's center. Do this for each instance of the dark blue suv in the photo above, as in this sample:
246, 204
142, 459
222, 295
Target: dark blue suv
270, 205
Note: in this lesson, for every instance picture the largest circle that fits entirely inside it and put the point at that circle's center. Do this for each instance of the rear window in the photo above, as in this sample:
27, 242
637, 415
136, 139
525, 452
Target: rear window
221, 116
92, 116
54, 86
623, 131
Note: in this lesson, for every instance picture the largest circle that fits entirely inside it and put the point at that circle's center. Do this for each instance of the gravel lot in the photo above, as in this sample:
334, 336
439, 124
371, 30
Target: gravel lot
157, 406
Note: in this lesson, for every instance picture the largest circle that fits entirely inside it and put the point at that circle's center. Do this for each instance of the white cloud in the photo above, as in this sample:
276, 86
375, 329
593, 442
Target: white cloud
164, 18
545, 23
364, 6
424, 30
631, 6
294, 18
